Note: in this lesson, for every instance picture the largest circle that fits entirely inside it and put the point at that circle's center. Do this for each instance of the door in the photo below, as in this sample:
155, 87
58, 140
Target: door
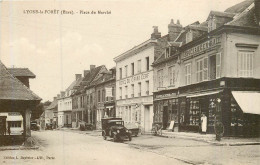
147, 124
165, 117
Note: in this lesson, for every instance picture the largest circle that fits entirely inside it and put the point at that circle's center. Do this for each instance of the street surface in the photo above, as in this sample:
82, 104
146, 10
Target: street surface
75, 147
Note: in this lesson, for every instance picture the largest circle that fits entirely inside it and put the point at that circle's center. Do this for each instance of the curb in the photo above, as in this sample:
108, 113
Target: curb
213, 142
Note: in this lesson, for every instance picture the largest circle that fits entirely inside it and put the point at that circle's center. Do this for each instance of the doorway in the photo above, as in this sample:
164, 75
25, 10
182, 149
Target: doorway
165, 117
147, 121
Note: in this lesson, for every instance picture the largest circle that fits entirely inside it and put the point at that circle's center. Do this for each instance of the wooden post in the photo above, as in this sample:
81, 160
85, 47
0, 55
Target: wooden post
27, 121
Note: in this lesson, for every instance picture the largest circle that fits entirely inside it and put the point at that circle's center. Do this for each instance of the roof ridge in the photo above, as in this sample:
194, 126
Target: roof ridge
18, 81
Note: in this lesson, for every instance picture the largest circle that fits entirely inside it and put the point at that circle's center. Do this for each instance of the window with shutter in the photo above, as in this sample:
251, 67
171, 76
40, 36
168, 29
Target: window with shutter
205, 69
218, 65
245, 63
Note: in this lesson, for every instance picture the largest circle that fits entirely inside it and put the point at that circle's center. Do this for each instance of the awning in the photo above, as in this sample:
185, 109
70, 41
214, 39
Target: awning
249, 101
204, 94
14, 118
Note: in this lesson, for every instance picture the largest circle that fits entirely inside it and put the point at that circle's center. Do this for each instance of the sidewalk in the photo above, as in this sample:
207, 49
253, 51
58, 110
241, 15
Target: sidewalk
211, 138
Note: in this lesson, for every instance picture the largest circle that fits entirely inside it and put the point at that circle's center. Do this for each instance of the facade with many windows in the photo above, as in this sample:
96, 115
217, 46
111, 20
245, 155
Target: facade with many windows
134, 82
218, 72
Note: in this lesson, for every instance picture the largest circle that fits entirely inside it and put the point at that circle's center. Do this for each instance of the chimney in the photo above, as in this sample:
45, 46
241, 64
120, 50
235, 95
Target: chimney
156, 34
62, 94
58, 96
78, 76
54, 98
174, 30
86, 72
92, 67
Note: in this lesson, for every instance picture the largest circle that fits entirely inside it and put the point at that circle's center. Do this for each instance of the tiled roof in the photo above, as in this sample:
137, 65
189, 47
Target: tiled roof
92, 74
198, 27
246, 18
240, 7
21, 72
12, 89
53, 105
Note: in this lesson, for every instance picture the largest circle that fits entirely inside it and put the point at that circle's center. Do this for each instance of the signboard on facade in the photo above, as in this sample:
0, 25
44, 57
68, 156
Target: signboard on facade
109, 92
134, 78
167, 95
202, 47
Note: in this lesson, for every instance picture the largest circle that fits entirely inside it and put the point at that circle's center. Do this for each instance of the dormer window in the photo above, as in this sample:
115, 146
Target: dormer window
168, 52
189, 36
212, 24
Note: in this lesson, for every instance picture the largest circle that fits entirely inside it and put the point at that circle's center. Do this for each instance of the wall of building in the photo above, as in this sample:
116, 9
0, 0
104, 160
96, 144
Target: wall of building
231, 55
166, 77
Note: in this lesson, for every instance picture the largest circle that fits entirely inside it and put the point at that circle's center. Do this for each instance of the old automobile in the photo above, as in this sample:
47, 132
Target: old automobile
115, 129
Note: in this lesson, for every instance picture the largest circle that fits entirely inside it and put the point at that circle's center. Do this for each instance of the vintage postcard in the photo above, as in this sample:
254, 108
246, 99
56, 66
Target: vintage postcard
130, 82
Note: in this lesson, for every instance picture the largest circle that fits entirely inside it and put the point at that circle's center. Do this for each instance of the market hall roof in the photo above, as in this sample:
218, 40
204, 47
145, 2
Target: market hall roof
13, 89
21, 72
53, 105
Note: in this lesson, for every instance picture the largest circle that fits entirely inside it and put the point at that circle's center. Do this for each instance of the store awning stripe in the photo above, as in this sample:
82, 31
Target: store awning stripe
249, 101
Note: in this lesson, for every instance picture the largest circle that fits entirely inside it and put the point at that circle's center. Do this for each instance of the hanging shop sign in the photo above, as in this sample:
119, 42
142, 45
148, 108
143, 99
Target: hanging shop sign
135, 78
202, 47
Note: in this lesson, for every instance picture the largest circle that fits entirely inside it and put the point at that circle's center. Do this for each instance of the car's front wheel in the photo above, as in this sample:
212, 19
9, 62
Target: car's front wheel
130, 137
114, 138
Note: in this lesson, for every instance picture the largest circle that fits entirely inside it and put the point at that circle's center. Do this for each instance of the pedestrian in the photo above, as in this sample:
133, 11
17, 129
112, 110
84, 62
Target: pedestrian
203, 120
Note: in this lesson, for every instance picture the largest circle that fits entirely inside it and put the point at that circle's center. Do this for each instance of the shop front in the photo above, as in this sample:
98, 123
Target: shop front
234, 102
166, 109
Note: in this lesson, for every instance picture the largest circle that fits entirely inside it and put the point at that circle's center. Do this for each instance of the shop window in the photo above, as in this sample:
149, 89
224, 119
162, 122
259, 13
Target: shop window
15, 124
236, 114
245, 63
194, 112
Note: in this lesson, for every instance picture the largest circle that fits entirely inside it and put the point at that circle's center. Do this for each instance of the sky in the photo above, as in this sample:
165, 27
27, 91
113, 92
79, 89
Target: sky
55, 47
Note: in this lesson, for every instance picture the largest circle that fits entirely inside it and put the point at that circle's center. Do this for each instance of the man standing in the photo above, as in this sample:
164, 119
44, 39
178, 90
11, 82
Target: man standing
203, 120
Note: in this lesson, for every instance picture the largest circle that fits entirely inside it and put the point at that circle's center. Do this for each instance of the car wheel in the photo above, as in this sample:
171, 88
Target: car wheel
130, 137
114, 138
104, 137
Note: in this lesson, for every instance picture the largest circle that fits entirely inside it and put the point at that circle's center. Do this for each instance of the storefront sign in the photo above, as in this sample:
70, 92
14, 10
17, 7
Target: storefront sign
202, 47
167, 95
135, 78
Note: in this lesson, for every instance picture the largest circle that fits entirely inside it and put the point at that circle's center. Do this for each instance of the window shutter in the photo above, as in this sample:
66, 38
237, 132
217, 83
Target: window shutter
218, 65
205, 69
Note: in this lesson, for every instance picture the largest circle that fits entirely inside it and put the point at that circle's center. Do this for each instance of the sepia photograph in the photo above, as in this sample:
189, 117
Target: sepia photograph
130, 82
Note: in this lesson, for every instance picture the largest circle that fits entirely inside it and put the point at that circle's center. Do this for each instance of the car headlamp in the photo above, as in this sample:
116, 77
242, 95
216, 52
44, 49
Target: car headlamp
117, 131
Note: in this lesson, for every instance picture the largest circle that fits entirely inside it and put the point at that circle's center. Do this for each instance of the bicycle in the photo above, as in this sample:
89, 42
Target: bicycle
156, 130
